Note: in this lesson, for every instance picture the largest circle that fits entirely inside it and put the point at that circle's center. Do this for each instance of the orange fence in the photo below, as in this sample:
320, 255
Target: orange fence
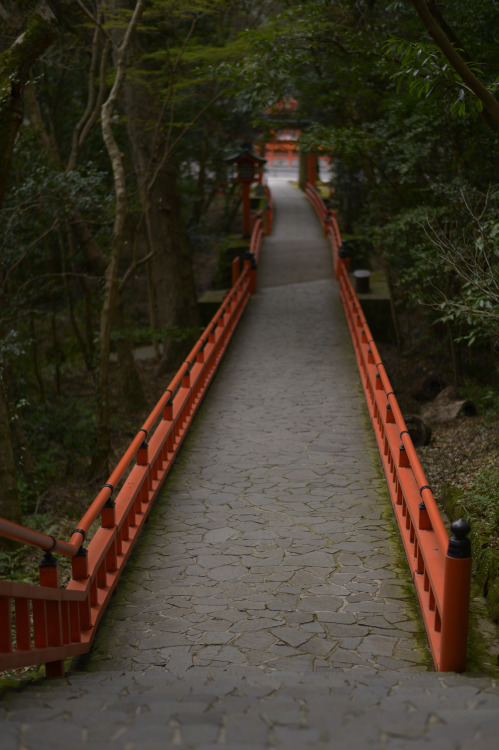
269, 211
440, 566
46, 624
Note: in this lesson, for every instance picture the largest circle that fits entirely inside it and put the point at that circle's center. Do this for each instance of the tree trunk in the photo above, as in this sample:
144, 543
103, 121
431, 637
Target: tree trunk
171, 264
131, 386
100, 458
132, 389
10, 506
15, 63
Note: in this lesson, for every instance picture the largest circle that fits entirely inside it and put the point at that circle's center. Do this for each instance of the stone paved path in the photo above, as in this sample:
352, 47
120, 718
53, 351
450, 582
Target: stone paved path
266, 605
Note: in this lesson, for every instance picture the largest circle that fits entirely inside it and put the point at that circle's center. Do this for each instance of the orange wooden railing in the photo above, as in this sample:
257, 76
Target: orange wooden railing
269, 211
317, 202
47, 624
252, 256
440, 566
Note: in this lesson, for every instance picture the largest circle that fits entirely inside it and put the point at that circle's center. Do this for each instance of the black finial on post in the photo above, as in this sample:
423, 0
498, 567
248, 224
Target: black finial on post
48, 560
248, 255
344, 251
459, 543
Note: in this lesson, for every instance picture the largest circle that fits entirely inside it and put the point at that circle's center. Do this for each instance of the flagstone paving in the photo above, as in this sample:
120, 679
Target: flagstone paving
267, 605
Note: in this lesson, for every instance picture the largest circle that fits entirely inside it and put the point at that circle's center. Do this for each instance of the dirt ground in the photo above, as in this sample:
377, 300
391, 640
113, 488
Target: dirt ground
458, 450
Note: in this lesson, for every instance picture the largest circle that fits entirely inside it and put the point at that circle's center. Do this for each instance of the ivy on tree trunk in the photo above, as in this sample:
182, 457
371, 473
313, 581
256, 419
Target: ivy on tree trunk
39, 34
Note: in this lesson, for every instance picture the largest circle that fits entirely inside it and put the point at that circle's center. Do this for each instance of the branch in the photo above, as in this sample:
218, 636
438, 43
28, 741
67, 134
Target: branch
100, 96
170, 93
132, 268
75, 146
26, 251
168, 149
93, 18
457, 61
48, 276
107, 114
174, 70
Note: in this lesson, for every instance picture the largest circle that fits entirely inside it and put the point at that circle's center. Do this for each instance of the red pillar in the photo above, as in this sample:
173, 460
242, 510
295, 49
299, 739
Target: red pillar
312, 169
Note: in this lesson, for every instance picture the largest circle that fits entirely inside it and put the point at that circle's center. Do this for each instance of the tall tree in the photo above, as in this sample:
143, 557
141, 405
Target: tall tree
101, 454
36, 27
36, 30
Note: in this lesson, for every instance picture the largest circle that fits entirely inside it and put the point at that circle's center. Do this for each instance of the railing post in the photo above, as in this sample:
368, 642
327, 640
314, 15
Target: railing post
143, 451
424, 521
249, 262
456, 599
108, 514
342, 259
404, 462
5, 626
235, 270
327, 222
268, 219
79, 564
108, 521
49, 576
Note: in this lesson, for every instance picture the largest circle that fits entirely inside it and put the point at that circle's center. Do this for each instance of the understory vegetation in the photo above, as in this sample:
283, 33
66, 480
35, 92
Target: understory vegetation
116, 121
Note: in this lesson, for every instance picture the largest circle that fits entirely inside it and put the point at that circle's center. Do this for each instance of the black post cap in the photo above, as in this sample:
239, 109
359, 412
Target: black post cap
459, 543
48, 561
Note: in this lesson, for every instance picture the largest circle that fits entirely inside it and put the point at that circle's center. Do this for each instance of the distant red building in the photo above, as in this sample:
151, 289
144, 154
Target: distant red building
284, 141
285, 133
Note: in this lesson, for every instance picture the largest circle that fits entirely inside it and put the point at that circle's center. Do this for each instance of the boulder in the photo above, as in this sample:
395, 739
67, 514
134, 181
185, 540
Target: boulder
427, 387
446, 407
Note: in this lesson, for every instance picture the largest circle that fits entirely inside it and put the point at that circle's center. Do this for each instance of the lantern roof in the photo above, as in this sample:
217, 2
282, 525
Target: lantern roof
246, 155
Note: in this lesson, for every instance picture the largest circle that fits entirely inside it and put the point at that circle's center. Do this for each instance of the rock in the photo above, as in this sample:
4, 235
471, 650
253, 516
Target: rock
427, 387
446, 407
448, 394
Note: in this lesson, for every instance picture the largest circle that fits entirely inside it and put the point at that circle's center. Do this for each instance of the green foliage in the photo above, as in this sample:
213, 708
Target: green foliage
452, 261
15, 565
481, 507
485, 397
350, 143
425, 71
485, 497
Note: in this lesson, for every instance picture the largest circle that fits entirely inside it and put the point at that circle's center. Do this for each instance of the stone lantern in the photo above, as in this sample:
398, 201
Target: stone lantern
248, 164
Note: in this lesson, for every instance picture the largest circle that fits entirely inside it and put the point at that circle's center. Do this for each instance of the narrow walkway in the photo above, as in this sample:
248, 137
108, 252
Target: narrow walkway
266, 605
271, 547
